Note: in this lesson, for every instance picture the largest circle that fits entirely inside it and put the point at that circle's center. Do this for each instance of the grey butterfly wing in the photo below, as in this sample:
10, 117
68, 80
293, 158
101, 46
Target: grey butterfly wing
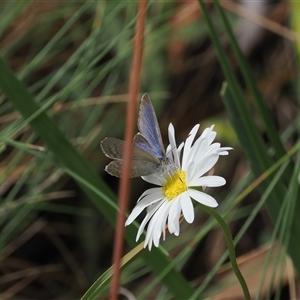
143, 162
149, 129
113, 148
138, 168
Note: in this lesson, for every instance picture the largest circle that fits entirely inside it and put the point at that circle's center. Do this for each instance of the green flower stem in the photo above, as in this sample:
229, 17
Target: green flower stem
231, 250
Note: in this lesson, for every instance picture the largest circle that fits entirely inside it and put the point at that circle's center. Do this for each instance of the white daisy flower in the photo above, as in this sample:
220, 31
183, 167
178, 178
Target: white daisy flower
178, 185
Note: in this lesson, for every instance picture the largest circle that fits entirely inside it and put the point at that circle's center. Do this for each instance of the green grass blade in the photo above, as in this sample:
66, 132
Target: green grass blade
254, 91
247, 131
278, 192
249, 135
102, 282
243, 229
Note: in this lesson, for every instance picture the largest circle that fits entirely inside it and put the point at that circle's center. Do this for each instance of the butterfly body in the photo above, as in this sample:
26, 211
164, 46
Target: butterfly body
149, 155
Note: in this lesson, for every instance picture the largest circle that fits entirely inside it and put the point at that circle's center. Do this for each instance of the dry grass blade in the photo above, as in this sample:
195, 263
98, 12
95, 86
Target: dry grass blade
20, 285
21, 239
261, 20
251, 266
30, 16
31, 271
68, 256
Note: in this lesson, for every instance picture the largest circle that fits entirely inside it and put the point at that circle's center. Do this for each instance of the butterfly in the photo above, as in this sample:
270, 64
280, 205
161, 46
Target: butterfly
149, 156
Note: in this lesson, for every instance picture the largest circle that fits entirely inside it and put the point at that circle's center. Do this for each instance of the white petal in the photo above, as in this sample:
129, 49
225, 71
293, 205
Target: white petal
211, 137
177, 225
224, 150
152, 191
135, 212
209, 134
190, 171
171, 134
213, 149
206, 132
164, 226
154, 179
187, 207
174, 214
212, 181
154, 230
179, 150
173, 222
149, 235
199, 149
224, 153
149, 245
187, 146
151, 211
205, 165
169, 153
157, 224
145, 202
152, 223
203, 198
198, 155
175, 205
142, 226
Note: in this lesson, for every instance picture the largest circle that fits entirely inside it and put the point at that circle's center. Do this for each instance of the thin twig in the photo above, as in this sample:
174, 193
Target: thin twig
134, 84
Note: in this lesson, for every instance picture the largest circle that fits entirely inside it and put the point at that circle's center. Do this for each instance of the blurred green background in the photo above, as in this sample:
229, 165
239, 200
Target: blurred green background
74, 58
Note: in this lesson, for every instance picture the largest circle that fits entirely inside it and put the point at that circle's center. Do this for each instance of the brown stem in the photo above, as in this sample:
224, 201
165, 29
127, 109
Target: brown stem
134, 85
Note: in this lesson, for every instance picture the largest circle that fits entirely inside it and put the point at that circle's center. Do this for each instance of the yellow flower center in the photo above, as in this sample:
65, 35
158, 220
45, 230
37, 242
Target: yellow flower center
175, 185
